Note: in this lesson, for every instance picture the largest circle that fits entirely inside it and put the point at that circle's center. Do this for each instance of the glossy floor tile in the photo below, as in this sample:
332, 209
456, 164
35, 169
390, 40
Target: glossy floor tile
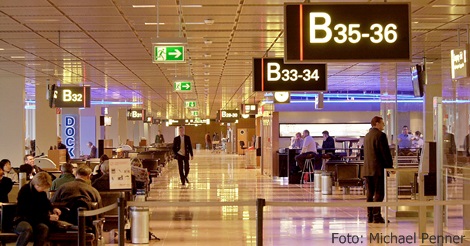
224, 178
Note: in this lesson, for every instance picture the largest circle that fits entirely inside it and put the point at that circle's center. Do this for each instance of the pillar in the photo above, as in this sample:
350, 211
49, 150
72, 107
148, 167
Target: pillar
46, 121
12, 122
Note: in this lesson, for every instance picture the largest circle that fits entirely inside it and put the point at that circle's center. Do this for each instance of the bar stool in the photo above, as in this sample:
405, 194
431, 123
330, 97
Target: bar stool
308, 168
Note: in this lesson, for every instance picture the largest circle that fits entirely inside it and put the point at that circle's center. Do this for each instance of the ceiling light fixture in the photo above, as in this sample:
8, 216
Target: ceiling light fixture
192, 6
195, 23
2, 49
207, 41
444, 5
207, 73
207, 55
209, 21
154, 23
17, 57
206, 80
207, 65
143, 6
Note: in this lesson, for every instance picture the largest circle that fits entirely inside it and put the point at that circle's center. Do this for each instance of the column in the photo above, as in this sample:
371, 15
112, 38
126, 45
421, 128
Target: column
46, 121
122, 126
12, 122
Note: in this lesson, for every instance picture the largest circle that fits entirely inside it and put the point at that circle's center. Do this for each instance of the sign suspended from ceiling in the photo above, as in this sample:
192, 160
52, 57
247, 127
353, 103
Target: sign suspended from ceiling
459, 67
377, 32
72, 97
271, 74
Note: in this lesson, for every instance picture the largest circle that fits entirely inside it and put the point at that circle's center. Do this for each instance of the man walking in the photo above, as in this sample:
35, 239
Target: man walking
377, 156
182, 149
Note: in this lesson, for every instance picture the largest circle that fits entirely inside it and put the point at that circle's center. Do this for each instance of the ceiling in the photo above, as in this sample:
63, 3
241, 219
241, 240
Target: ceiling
107, 44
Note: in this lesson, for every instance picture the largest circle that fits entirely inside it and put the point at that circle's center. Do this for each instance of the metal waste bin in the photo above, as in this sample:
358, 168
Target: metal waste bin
198, 146
139, 224
326, 184
317, 181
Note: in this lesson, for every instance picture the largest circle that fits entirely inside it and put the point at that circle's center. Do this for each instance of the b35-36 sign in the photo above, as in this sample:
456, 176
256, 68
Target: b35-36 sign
271, 74
347, 32
228, 115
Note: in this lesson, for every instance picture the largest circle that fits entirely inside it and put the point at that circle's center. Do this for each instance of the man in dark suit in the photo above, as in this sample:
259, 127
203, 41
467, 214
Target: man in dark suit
182, 149
377, 156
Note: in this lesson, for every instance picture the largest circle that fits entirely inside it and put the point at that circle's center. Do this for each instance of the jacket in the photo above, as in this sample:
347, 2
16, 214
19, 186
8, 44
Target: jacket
187, 144
33, 206
377, 154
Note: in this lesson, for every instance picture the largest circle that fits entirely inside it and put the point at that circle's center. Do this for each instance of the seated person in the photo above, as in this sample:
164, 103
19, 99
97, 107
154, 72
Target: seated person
80, 188
8, 171
309, 148
29, 167
142, 176
65, 177
34, 211
102, 183
296, 142
328, 143
5, 185
97, 171
417, 141
404, 138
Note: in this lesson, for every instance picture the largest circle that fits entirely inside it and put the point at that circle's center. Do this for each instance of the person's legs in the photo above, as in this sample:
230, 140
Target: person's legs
25, 232
186, 168
300, 159
370, 187
180, 168
41, 231
378, 196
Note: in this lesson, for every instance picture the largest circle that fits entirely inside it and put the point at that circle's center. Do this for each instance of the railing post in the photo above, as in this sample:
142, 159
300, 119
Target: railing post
121, 220
260, 203
81, 227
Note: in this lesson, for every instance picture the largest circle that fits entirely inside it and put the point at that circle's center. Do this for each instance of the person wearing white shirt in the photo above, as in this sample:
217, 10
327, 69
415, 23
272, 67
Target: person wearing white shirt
309, 148
417, 141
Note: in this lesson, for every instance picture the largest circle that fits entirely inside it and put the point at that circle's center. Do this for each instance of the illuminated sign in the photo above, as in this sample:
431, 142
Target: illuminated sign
136, 114
177, 122
271, 74
250, 109
149, 120
347, 32
72, 97
194, 113
458, 66
70, 131
228, 115
190, 104
168, 54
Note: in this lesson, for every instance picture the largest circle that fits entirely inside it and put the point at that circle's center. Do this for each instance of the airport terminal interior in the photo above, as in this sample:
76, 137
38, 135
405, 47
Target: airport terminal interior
243, 77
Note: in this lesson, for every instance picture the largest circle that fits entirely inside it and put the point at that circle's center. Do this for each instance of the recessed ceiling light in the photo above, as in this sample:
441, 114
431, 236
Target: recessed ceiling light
17, 57
207, 73
207, 65
143, 6
195, 23
192, 6
206, 80
33, 64
154, 23
443, 5
2, 49
207, 55
207, 41
209, 21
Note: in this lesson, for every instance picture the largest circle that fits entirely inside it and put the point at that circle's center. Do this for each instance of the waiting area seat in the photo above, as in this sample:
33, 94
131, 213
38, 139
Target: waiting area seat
347, 175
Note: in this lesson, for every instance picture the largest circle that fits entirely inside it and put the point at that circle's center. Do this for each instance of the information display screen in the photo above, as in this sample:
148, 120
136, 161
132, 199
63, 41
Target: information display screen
347, 32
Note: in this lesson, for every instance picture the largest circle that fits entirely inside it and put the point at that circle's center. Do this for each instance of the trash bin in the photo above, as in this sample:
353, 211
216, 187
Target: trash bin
326, 184
198, 146
317, 181
139, 224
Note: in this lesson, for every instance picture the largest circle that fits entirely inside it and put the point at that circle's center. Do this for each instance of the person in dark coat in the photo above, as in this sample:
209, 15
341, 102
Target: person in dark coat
377, 156
34, 211
328, 143
79, 189
183, 150
93, 151
60, 145
5, 185
29, 167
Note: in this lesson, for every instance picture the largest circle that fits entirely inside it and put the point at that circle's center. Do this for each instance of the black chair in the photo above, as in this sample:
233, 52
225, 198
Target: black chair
242, 146
7, 235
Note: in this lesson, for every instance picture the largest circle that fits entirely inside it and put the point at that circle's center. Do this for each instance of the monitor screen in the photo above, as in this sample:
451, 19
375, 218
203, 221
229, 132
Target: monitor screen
417, 80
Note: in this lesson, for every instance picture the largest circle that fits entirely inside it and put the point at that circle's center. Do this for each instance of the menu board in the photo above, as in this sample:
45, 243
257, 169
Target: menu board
120, 176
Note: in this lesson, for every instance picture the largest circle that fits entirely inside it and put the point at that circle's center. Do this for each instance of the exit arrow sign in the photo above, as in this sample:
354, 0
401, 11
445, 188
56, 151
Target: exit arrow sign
194, 113
168, 54
190, 104
183, 86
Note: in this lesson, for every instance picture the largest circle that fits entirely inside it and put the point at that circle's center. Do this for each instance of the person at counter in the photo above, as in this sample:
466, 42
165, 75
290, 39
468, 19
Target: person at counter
377, 156
60, 145
8, 171
417, 142
309, 147
328, 143
6, 184
296, 142
29, 167
159, 139
404, 138
93, 150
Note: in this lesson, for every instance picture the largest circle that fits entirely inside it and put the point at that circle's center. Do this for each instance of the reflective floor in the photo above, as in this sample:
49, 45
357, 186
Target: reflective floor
223, 178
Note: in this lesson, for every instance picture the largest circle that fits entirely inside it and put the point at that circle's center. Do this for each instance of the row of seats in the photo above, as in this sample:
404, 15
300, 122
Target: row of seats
345, 174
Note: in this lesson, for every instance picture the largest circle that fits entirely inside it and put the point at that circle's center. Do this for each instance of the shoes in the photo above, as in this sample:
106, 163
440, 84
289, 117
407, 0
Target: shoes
380, 220
370, 219
187, 181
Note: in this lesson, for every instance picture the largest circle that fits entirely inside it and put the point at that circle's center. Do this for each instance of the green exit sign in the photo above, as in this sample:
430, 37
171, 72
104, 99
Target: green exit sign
190, 104
194, 113
168, 54
183, 86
